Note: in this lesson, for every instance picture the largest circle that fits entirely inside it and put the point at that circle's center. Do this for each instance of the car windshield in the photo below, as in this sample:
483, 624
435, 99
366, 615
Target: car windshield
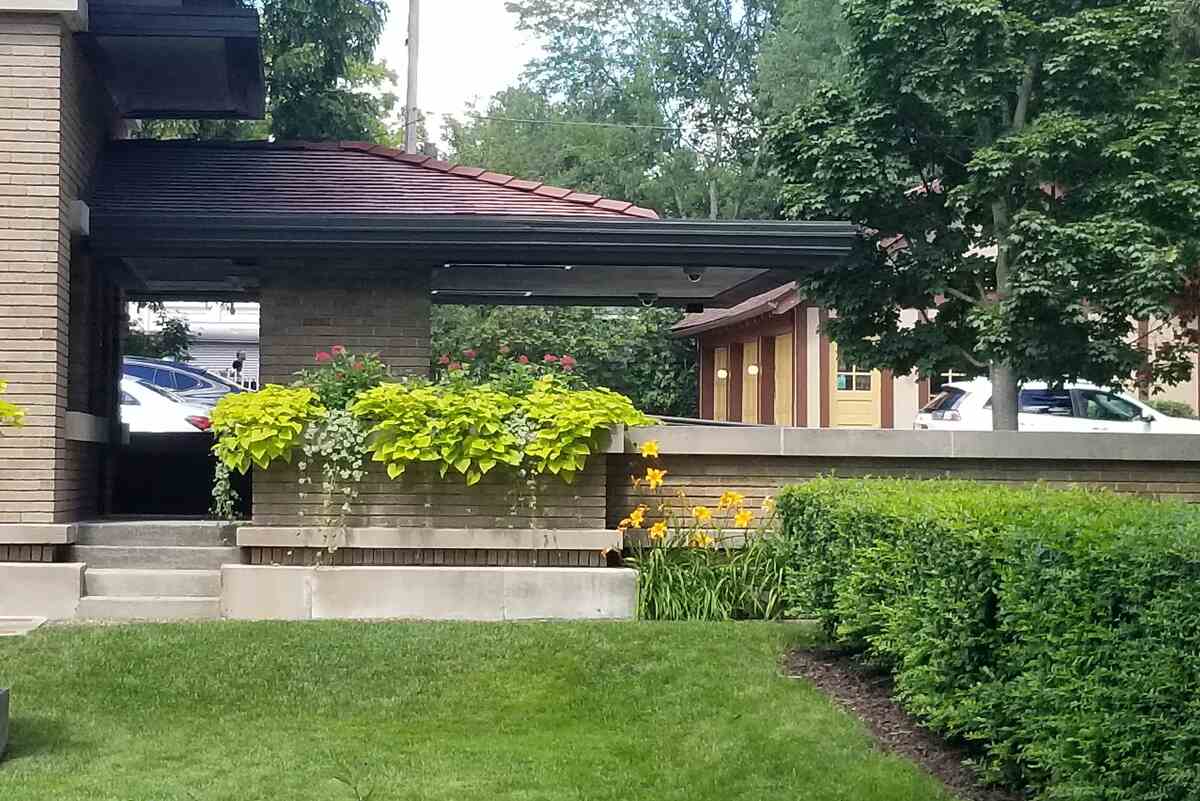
1046, 401
949, 398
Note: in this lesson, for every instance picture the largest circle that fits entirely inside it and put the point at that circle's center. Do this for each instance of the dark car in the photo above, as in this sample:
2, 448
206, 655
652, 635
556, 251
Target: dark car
190, 384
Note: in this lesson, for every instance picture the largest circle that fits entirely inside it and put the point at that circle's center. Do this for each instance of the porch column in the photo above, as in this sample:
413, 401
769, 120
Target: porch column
50, 131
312, 307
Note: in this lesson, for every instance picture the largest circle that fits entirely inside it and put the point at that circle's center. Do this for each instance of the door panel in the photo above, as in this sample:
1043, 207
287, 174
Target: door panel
854, 394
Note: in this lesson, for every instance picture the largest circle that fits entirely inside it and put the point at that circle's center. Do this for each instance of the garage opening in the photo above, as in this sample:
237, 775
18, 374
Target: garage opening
179, 358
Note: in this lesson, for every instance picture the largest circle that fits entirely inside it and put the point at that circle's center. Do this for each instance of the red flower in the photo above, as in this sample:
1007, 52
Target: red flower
443, 359
549, 358
358, 365
338, 350
504, 349
455, 366
522, 359
470, 353
567, 361
323, 356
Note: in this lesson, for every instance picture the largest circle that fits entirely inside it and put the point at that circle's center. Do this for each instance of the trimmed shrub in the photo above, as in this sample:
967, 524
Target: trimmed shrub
1059, 630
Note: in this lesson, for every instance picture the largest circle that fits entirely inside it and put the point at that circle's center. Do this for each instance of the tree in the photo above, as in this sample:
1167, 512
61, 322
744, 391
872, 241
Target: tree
628, 350
170, 341
694, 63
1027, 173
804, 51
322, 78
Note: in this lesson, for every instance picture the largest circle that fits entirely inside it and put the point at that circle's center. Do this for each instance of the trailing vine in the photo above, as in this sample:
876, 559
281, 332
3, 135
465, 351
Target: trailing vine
338, 445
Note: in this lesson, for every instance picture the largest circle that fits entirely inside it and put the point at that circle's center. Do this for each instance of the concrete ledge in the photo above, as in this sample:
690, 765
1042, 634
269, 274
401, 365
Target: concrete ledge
428, 593
443, 538
886, 444
82, 427
37, 533
51, 591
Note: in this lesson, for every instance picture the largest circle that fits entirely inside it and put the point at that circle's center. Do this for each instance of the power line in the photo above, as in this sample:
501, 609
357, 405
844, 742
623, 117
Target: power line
528, 121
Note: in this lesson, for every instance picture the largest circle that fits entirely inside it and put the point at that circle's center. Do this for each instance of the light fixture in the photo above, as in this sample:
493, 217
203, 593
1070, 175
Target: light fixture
752, 369
568, 266
722, 374
528, 294
433, 292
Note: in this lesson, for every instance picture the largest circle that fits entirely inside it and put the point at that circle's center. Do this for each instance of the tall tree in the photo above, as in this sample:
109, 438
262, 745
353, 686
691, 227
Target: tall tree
1028, 174
322, 78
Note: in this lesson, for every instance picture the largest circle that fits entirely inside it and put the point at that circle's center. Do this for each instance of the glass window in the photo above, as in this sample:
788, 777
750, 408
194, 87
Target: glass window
142, 371
185, 381
946, 400
1046, 401
852, 378
164, 378
128, 400
939, 381
1099, 405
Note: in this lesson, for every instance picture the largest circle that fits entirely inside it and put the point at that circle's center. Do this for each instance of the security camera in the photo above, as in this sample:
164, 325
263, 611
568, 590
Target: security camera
648, 299
694, 274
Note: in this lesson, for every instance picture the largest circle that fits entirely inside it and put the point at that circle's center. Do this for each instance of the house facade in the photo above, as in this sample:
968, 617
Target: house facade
767, 361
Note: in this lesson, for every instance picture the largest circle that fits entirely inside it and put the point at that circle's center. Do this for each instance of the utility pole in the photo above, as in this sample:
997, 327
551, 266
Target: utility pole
410, 108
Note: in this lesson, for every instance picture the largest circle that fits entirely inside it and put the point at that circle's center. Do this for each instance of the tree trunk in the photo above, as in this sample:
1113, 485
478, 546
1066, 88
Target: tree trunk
1004, 398
714, 199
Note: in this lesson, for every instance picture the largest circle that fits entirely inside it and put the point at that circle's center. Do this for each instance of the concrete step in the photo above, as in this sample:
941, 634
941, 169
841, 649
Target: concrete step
157, 607
156, 557
126, 583
156, 532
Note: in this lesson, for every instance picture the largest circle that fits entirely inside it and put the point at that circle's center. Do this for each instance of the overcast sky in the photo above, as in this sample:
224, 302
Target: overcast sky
469, 50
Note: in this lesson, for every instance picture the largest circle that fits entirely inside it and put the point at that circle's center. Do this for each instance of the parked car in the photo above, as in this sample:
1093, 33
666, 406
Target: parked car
148, 409
967, 406
190, 384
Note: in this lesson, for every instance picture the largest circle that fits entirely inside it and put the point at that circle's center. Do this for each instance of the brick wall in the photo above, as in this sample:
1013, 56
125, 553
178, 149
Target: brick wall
51, 126
371, 310
421, 499
704, 478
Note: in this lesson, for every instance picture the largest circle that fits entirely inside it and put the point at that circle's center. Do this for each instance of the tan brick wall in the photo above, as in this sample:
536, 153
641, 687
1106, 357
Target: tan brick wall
421, 499
383, 311
49, 134
704, 478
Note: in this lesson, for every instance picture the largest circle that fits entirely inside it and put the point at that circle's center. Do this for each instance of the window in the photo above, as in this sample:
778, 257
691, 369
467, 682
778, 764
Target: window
1097, 405
128, 400
164, 378
1046, 401
852, 378
946, 400
939, 381
185, 381
140, 371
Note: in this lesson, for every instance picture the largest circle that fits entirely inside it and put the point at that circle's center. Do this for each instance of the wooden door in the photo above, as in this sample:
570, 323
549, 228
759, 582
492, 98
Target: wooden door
854, 394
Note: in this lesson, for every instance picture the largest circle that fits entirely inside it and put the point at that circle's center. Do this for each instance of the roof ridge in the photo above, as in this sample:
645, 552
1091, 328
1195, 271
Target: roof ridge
481, 174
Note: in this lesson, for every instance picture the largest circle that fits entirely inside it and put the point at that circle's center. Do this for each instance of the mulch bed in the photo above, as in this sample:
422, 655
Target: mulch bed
867, 693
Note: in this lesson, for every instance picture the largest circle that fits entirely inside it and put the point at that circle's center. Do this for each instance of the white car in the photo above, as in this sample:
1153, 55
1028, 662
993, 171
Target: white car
148, 409
967, 406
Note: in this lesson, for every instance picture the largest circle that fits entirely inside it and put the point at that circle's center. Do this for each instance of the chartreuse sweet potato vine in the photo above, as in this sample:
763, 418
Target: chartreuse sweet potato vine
260, 427
10, 413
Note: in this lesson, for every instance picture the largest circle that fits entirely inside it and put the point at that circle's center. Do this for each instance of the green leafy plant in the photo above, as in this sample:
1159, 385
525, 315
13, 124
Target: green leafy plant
337, 443
1054, 628
256, 428
10, 413
340, 375
1173, 408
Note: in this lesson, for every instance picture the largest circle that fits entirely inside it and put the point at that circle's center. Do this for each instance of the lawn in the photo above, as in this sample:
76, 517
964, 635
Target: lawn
245, 711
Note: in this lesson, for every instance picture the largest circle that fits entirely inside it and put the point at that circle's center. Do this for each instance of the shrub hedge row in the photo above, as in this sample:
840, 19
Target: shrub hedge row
1058, 630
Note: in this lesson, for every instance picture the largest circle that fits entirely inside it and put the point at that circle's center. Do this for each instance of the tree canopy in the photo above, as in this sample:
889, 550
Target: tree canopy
1028, 174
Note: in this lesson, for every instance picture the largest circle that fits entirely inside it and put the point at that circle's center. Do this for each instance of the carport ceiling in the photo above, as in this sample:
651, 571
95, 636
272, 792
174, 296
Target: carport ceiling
216, 220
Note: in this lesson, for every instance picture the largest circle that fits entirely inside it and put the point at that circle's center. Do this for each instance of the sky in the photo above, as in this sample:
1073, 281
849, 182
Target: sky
470, 49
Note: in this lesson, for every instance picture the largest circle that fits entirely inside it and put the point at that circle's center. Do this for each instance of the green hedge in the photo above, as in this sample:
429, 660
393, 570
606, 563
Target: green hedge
1058, 630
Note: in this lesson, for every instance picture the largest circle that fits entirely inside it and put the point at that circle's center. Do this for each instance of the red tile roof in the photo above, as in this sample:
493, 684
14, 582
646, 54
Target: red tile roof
322, 177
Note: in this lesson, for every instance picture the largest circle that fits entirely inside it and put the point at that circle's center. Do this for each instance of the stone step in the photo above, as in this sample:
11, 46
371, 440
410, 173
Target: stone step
156, 607
156, 557
127, 583
156, 532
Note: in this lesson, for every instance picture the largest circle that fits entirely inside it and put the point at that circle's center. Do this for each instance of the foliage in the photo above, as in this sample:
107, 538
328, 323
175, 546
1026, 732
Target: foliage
10, 413
322, 79
472, 429
170, 341
630, 351
1028, 169
1054, 628
1173, 408
803, 52
697, 563
338, 444
225, 499
259, 427
512, 712
340, 375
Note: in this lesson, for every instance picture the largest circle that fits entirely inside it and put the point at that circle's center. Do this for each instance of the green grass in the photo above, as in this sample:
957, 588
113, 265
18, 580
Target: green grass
245, 711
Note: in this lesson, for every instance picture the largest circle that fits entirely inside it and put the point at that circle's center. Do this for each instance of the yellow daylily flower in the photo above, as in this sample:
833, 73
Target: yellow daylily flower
742, 519
730, 500
637, 481
658, 530
650, 449
637, 517
624, 525
654, 478
701, 539
768, 504
702, 514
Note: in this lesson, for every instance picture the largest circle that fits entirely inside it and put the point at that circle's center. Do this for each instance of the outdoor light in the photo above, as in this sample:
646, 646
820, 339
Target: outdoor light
568, 266
752, 369
722, 374
528, 294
